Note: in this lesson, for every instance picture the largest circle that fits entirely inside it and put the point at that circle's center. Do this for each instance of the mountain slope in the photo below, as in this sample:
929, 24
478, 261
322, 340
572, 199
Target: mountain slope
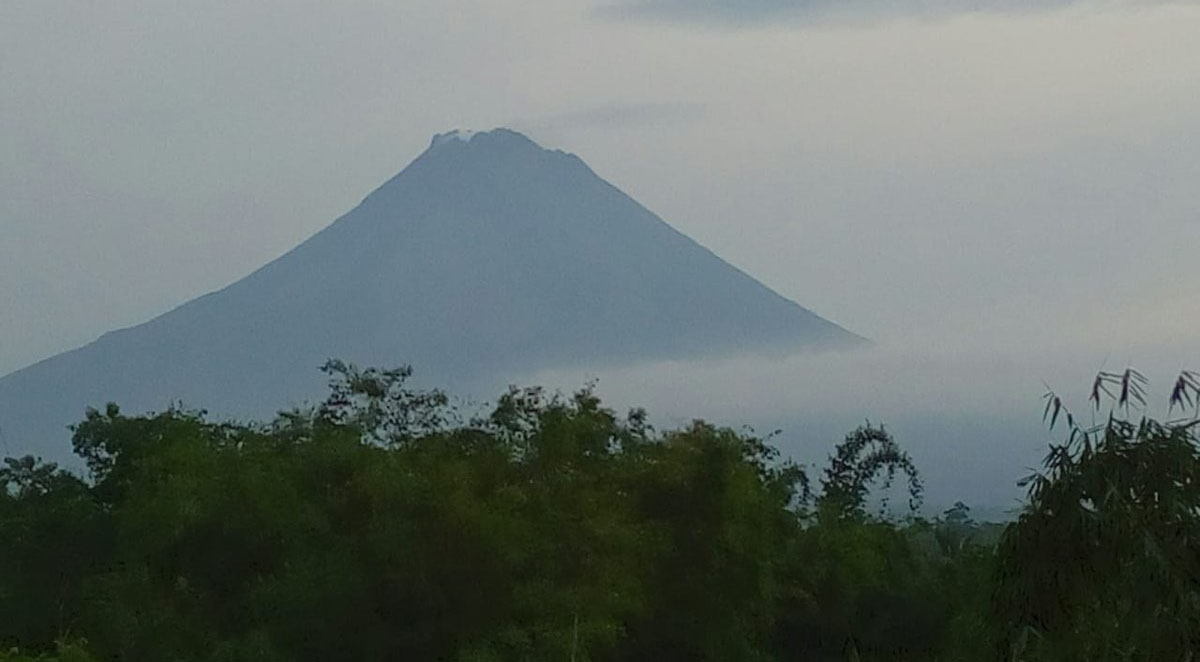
486, 257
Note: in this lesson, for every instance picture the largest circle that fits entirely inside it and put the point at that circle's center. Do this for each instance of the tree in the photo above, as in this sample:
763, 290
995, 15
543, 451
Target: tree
855, 584
720, 505
380, 405
1104, 562
866, 455
54, 536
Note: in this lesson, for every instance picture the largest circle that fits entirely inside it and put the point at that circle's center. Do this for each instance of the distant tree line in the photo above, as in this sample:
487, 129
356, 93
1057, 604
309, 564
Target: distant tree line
384, 524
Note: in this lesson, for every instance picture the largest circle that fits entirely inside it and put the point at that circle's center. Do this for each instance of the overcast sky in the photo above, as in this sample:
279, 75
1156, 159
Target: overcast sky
935, 175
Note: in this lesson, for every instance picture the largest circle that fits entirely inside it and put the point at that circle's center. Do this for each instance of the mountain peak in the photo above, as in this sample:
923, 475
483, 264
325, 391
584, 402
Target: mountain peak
461, 166
460, 135
497, 136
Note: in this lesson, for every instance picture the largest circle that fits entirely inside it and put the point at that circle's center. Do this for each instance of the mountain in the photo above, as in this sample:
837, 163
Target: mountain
487, 257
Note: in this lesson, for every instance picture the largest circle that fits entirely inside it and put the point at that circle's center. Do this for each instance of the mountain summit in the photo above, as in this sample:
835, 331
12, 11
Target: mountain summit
487, 257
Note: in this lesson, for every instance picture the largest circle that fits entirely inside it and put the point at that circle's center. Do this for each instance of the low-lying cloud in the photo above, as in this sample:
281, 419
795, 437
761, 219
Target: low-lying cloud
970, 418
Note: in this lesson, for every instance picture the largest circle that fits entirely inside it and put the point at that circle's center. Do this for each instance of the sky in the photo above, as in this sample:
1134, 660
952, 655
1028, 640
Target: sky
1005, 187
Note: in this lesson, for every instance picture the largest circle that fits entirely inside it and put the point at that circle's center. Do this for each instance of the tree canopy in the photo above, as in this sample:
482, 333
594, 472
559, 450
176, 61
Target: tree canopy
386, 524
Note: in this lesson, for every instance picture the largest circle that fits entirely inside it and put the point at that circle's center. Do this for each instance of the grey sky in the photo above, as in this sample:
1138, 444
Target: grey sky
752, 12
985, 181
862, 12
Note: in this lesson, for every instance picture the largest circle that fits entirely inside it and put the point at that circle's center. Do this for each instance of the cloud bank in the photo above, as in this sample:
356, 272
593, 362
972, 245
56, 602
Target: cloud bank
970, 418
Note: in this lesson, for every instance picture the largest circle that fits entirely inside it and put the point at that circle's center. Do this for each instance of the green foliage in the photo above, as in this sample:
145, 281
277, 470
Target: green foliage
382, 526
379, 404
866, 455
1104, 563
53, 530
63, 652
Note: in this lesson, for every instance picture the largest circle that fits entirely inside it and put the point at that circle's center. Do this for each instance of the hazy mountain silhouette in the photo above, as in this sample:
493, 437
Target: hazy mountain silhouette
486, 257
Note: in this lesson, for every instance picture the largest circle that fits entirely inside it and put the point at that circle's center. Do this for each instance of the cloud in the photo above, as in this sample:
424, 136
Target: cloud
970, 418
760, 12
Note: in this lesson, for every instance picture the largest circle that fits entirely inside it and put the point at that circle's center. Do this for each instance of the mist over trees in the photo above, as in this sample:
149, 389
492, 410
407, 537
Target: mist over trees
387, 523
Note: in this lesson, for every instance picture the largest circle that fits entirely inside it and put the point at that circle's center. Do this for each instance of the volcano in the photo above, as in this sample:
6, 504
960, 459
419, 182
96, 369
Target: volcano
488, 257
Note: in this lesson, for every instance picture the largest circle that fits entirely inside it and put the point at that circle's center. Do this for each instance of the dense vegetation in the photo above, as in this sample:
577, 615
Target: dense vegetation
381, 525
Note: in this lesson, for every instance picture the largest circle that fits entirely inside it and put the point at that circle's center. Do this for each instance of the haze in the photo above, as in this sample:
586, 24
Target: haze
998, 198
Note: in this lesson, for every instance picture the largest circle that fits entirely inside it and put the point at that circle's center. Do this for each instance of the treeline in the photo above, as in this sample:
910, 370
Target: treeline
382, 525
